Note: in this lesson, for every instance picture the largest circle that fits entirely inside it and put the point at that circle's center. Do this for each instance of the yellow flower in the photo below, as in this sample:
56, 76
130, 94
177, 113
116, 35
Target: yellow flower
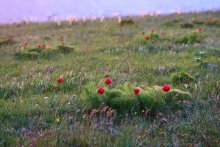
142, 111
57, 120
135, 113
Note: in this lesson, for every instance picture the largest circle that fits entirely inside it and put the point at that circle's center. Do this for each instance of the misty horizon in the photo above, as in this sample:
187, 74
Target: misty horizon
40, 10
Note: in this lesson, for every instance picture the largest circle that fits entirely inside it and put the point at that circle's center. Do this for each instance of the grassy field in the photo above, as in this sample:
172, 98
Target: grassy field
181, 50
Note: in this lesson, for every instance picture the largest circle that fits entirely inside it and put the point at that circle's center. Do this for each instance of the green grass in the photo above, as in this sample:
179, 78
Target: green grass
36, 110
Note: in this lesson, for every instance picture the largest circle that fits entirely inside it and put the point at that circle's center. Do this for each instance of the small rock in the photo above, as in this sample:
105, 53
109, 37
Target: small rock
210, 66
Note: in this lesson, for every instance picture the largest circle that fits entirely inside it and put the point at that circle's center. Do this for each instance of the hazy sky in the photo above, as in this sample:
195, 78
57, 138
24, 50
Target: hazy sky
16, 10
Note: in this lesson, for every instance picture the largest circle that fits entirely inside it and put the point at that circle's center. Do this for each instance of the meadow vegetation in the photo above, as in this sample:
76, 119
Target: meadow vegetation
181, 50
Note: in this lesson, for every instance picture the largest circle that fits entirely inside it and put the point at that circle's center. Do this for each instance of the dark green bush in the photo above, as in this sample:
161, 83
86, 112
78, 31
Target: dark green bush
126, 22
46, 52
46, 38
6, 41
151, 98
181, 78
8, 92
169, 23
153, 37
213, 22
64, 49
192, 37
175, 98
186, 25
123, 100
197, 21
26, 55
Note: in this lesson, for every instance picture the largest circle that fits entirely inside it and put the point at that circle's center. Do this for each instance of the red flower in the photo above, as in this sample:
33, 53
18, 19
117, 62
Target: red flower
39, 46
147, 38
43, 45
62, 43
152, 31
166, 88
162, 33
199, 29
137, 91
101, 90
25, 43
60, 80
108, 81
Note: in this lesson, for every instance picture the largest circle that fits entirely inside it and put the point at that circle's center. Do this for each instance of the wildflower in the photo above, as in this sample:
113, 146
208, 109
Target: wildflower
39, 46
147, 38
199, 29
62, 43
152, 31
136, 91
166, 88
108, 81
60, 80
43, 45
135, 113
143, 33
162, 33
57, 120
101, 90
143, 111
25, 43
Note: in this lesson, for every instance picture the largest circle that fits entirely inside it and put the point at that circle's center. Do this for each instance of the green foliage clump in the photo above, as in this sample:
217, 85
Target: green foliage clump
214, 53
122, 98
64, 49
91, 98
175, 98
213, 22
181, 78
26, 55
46, 52
175, 95
197, 21
5, 41
9, 91
170, 23
127, 22
192, 37
46, 38
186, 25
151, 97
154, 36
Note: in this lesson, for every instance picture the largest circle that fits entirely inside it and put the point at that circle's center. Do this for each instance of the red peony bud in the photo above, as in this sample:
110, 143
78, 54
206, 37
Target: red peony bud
25, 43
166, 88
162, 33
108, 81
199, 29
101, 90
137, 91
152, 31
60, 80
39, 46
147, 38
